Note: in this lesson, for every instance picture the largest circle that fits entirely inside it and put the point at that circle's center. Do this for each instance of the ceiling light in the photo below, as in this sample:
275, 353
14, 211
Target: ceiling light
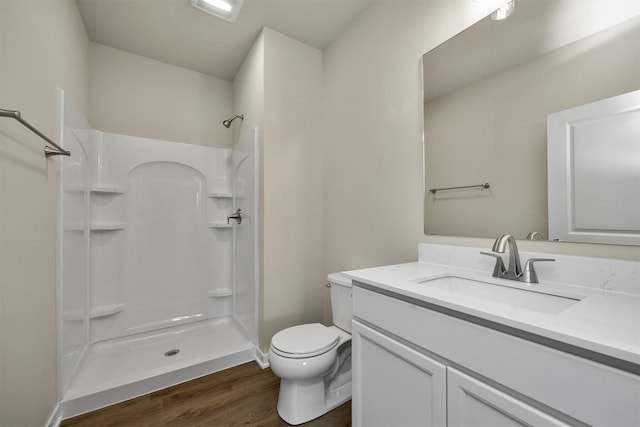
224, 9
504, 11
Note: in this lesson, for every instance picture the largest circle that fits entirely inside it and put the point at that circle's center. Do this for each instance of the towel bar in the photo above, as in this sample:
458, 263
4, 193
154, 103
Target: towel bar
48, 151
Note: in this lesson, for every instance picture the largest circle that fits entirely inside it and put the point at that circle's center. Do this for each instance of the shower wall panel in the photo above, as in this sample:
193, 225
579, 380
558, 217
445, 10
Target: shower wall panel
245, 197
160, 248
73, 243
166, 251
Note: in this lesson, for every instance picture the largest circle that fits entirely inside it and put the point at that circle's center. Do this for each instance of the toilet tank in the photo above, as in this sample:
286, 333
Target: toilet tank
341, 301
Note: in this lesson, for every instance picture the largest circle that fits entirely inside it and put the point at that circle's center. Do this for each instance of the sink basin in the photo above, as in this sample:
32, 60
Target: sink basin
470, 290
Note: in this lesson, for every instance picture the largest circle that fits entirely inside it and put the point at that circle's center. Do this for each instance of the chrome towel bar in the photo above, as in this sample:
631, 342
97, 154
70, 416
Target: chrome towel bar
48, 151
435, 190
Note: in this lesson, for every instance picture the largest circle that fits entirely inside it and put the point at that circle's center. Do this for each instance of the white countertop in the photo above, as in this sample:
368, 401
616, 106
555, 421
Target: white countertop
603, 321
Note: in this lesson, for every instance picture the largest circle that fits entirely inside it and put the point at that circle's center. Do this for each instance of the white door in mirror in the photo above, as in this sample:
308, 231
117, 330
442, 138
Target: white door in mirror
594, 171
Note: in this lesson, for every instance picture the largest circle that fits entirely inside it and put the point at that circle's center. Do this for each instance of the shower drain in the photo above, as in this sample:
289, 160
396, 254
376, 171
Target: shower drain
172, 352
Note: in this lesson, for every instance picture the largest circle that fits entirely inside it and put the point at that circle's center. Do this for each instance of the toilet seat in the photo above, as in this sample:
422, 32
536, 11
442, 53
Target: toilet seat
304, 341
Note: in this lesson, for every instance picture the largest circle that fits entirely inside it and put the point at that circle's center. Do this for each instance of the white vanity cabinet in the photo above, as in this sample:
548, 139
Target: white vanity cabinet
397, 385
472, 403
418, 365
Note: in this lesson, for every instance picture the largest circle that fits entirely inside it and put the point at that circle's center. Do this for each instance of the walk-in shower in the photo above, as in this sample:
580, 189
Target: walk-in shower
155, 287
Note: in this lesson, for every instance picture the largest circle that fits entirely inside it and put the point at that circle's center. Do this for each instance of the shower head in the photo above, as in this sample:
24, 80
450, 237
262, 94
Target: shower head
227, 123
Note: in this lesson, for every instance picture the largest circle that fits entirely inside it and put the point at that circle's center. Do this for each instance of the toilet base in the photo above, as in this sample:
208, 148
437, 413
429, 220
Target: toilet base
302, 401
308, 396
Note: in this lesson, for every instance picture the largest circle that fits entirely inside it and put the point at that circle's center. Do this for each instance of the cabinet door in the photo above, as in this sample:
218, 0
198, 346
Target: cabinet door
474, 403
393, 384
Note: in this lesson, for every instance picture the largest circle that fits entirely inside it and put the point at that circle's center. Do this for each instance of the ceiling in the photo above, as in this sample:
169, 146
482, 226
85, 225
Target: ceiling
174, 32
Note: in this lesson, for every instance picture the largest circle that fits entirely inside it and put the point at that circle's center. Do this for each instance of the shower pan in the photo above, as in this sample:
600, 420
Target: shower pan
154, 286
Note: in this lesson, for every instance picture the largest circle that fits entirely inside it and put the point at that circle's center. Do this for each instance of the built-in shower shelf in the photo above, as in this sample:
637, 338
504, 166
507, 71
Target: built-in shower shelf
104, 189
108, 226
96, 312
220, 225
97, 227
221, 293
106, 310
96, 189
220, 195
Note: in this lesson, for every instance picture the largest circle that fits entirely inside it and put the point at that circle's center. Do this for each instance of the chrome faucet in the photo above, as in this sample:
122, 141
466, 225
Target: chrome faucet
237, 216
515, 270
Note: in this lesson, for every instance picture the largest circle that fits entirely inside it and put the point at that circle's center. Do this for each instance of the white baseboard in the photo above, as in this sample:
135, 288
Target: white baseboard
262, 359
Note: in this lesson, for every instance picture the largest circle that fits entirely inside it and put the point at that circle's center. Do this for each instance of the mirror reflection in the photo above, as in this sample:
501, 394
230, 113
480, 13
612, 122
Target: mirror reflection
487, 94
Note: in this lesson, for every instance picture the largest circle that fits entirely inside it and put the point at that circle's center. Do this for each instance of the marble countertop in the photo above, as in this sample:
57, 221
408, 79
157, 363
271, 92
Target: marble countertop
602, 321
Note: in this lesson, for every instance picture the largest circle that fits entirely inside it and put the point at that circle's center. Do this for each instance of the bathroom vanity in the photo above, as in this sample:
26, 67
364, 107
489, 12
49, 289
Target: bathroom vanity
442, 342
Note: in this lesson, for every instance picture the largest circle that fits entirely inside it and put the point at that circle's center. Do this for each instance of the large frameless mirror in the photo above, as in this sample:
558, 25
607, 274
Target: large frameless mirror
487, 94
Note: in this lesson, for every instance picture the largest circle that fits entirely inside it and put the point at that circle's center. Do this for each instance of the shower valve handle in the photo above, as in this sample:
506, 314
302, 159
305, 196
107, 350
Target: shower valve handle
237, 216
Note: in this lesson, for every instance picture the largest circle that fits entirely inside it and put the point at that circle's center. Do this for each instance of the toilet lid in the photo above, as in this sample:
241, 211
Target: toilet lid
305, 340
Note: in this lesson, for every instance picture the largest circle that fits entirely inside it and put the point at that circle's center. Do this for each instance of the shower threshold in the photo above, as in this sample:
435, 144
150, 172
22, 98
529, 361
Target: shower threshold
123, 368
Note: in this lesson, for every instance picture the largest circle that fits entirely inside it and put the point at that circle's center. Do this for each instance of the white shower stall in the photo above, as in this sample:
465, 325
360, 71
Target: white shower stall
156, 285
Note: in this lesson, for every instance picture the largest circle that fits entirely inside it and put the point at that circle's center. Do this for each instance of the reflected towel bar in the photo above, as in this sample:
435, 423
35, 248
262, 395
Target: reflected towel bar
485, 185
48, 151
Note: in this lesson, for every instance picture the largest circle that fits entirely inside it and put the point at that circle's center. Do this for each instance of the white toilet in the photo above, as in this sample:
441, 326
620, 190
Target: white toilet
314, 361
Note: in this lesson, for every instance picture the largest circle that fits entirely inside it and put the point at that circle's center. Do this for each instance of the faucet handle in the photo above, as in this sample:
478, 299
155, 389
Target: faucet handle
237, 216
529, 273
534, 235
498, 270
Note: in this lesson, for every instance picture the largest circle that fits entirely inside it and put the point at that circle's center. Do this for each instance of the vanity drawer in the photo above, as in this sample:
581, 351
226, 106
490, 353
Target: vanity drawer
588, 391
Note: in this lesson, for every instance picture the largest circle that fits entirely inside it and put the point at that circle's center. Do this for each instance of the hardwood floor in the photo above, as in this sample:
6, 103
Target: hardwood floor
242, 396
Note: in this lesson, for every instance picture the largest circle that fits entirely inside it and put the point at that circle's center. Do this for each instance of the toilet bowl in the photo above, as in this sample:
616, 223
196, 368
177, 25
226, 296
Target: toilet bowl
313, 361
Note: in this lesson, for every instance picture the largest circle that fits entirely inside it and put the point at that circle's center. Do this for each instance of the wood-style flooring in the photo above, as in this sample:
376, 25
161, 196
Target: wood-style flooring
241, 396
